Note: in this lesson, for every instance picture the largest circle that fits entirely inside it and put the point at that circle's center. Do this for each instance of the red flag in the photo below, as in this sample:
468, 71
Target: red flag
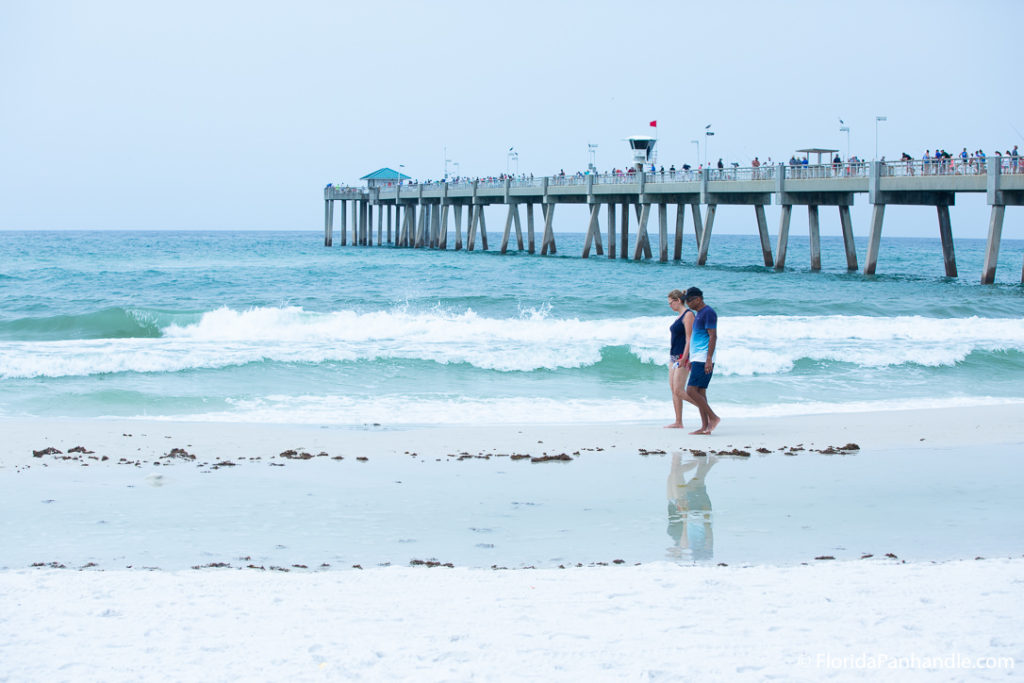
654, 124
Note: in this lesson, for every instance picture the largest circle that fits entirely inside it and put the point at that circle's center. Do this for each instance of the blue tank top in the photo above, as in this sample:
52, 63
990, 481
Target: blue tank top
678, 331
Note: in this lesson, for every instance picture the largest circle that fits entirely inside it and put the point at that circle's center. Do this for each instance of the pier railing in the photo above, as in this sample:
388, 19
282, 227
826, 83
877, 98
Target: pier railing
1008, 165
860, 169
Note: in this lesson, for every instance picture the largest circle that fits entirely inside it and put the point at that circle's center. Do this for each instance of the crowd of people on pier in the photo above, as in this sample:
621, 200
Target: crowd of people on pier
937, 162
941, 162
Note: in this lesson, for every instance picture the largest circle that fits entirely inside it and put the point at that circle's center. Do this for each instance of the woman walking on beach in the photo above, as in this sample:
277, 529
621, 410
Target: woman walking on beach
679, 353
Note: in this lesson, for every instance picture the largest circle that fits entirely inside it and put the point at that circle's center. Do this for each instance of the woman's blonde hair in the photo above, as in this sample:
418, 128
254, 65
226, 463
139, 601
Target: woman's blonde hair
675, 294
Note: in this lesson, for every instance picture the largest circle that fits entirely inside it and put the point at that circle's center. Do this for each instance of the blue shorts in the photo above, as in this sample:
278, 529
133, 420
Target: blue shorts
699, 378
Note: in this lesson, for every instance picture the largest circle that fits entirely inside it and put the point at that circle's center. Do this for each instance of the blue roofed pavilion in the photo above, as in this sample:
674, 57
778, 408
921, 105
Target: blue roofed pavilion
384, 177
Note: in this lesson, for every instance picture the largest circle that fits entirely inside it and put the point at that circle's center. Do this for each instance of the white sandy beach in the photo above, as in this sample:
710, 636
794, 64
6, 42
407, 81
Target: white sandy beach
660, 621
876, 619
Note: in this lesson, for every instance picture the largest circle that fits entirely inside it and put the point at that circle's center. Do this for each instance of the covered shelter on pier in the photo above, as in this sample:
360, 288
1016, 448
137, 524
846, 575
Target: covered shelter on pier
384, 177
819, 151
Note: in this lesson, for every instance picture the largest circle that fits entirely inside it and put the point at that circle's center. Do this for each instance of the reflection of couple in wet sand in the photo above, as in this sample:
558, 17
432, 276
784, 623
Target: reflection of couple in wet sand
689, 508
691, 356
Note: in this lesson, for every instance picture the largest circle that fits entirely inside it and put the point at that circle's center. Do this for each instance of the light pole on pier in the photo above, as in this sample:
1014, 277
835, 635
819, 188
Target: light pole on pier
843, 128
592, 157
707, 135
877, 119
513, 157
446, 162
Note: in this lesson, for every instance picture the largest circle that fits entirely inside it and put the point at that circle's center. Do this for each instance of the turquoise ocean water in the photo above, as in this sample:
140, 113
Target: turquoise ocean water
273, 327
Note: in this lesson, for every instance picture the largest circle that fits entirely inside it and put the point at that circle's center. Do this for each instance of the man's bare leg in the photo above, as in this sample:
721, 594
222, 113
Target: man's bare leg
708, 419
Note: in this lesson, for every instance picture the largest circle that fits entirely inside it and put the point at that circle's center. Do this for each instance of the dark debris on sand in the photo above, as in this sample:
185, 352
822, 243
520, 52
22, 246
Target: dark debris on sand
430, 563
563, 457
178, 454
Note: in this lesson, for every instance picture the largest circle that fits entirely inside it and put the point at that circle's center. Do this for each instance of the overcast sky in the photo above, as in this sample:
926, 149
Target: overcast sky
232, 115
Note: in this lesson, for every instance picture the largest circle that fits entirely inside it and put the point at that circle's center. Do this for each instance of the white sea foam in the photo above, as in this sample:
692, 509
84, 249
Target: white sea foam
346, 410
533, 340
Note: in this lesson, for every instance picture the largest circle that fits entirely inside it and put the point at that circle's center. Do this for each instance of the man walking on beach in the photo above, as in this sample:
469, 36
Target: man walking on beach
703, 340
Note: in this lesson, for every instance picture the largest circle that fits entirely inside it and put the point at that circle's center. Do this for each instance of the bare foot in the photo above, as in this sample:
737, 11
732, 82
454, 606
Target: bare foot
701, 431
714, 423
674, 425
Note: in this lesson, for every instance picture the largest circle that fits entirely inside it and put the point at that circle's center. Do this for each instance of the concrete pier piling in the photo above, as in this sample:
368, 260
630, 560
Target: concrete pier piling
422, 211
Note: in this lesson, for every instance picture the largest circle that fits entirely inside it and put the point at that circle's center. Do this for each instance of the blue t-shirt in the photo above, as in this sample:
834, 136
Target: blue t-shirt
705, 319
678, 331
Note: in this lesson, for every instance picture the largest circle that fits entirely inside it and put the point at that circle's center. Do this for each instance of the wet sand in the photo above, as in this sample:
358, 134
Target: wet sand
147, 442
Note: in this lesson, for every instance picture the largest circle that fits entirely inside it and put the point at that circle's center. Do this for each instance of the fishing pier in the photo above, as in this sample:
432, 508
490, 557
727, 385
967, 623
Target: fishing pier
423, 215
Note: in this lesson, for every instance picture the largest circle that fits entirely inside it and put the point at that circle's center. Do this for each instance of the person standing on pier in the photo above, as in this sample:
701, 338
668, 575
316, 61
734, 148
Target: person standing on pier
703, 341
679, 349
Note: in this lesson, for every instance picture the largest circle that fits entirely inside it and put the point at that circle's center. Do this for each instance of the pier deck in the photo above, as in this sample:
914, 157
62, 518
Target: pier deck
422, 211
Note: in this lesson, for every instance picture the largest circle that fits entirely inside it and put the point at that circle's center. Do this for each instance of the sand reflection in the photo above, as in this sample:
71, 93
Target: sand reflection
689, 508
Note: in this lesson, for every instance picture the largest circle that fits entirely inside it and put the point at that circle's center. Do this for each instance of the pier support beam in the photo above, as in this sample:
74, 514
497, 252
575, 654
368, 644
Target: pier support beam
513, 217
399, 224
663, 233
624, 233
508, 230
471, 227
355, 223
946, 235
359, 223
481, 221
343, 223
476, 222
643, 244
705, 238
611, 230
328, 222
364, 214
530, 245
762, 230
547, 243
995, 235
593, 227
698, 223
435, 226
424, 232
380, 224
442, 239
998, 199
417, 241
677, 251
458, 227
851, 248
410, 225
814, 232
874, 238
783, 241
